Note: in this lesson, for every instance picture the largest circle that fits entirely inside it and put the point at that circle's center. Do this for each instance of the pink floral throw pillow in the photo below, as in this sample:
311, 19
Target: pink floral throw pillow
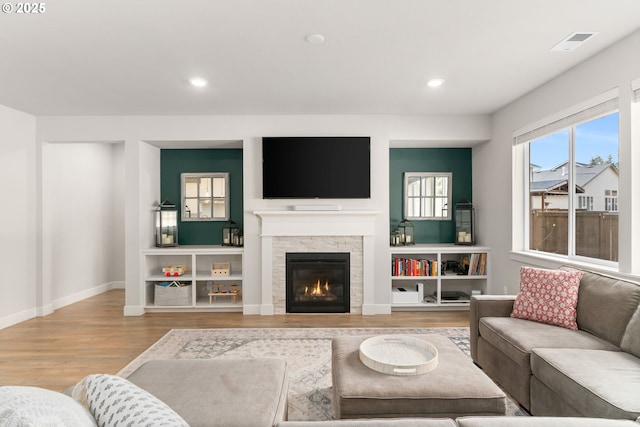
548, 296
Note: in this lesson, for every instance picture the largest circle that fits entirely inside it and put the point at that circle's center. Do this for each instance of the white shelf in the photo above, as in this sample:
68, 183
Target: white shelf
204, 275
463, 277
438, 284
198, 260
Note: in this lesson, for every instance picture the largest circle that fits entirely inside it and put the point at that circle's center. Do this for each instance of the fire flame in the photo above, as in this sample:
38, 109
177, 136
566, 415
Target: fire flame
317, 290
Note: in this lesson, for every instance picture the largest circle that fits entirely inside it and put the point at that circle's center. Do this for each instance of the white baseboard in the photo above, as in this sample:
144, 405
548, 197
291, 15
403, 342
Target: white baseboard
267, 310
87, 293
117, 285
251, 309
21, 316
372, 309
133, 310
15, 318
44, 310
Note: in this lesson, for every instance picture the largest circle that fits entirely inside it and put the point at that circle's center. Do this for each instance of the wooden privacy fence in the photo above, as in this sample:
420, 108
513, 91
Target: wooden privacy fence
596, 233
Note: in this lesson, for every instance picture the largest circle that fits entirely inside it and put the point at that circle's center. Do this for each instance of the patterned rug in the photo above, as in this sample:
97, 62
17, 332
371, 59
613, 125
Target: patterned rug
307, 352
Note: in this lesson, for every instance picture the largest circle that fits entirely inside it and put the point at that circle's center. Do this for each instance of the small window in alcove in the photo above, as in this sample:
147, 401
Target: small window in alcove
205, 196
427, 195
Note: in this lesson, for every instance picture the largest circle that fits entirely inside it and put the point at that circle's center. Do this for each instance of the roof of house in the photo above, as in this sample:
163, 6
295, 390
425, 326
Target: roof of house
585, 173
554, 186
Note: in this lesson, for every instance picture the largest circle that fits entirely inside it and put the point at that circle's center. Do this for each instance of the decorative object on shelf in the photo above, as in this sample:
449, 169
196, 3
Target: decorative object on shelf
220, 269
174, 270
229, 229
394, 238
465, 219
463, 265
405, 230
166, 220
407, 294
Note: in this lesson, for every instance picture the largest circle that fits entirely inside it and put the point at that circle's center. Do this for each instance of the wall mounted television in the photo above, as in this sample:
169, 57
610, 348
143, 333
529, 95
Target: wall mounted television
316, 167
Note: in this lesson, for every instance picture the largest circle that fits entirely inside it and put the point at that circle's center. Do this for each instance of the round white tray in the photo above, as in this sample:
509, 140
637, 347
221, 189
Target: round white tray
399, 355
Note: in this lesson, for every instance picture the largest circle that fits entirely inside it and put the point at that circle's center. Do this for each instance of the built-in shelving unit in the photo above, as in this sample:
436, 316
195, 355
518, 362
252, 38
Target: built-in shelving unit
199, 261
430, 276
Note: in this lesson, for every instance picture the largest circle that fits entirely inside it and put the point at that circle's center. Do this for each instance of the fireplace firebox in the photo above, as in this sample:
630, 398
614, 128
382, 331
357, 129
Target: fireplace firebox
317, 282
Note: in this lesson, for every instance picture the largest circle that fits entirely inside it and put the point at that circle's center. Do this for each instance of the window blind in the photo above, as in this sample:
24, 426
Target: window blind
581, 116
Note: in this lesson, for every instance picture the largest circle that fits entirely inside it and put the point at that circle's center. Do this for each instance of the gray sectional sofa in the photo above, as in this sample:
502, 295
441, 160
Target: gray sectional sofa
217, 392
253, 393
553, 371
467, 422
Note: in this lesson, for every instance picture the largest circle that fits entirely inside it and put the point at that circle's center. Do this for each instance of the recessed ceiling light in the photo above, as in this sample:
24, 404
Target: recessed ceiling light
435, 82
314, 38
198, 82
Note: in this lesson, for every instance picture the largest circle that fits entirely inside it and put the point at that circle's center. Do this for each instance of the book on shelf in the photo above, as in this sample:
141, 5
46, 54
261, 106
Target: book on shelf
413, 267
477, 264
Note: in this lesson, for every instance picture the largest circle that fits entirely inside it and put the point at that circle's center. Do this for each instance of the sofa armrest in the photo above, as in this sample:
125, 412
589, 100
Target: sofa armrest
486, 306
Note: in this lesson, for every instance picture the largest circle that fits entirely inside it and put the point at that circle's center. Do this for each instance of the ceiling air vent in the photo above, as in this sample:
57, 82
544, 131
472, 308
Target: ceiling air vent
573, 41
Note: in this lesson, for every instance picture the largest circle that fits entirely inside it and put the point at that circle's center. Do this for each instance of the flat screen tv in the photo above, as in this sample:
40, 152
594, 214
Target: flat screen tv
316, 168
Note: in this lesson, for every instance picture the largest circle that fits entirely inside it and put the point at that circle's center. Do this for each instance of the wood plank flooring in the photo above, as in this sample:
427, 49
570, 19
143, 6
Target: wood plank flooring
92, 336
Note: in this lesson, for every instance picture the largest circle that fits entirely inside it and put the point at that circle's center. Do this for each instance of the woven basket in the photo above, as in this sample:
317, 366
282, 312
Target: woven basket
172, 295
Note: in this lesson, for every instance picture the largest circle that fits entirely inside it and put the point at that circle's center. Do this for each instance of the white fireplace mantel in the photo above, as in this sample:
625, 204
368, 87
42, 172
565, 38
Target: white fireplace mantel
295, 224
318, 223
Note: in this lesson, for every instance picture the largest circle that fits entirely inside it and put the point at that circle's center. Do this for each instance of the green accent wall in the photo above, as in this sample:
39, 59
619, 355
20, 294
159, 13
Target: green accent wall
173, 162
454, 160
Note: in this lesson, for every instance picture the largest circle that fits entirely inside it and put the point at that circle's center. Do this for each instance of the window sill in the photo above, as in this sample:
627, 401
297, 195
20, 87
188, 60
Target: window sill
555, 261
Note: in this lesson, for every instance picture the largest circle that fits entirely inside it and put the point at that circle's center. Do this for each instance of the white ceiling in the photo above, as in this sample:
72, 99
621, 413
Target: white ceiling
106, 57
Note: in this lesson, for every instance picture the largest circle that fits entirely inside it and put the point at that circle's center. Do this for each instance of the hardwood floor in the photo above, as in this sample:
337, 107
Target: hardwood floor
92, 336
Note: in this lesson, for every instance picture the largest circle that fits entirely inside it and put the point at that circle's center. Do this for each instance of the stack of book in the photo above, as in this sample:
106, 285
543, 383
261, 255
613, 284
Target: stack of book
414, 267
477, 264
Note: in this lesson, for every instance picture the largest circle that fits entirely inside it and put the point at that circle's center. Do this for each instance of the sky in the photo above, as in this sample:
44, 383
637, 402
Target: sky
597, 137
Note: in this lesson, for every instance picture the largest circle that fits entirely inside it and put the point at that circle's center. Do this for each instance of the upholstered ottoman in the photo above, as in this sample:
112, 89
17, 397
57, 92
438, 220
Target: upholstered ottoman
220, 392
455, 388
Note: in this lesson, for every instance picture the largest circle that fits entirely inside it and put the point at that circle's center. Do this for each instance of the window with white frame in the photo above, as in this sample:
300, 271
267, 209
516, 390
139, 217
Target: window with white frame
427, 195
568, 162
611, 200
585, 203
205, 196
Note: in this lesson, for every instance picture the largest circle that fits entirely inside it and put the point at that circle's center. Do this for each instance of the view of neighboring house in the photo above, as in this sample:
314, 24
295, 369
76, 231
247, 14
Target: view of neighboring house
596, 188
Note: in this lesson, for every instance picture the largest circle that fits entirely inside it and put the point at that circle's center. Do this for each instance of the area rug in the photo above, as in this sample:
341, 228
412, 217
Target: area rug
307, 352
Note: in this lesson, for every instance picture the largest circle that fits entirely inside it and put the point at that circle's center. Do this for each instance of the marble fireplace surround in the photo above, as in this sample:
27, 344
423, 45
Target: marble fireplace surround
317, 231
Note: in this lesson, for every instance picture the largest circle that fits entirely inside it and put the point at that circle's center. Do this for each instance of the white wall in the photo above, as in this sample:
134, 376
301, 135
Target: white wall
607, 180
18, 256
493, 176
83, 219
142, 135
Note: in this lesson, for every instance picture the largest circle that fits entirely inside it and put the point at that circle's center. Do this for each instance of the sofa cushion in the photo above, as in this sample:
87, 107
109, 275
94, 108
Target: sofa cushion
631, 338
596, 383
605, 305
233, 392
541, 422
548, 296
517, 337
22, 406
115, 401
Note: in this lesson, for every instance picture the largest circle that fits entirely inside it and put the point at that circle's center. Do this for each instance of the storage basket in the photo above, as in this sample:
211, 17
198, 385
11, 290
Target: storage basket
172, 295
